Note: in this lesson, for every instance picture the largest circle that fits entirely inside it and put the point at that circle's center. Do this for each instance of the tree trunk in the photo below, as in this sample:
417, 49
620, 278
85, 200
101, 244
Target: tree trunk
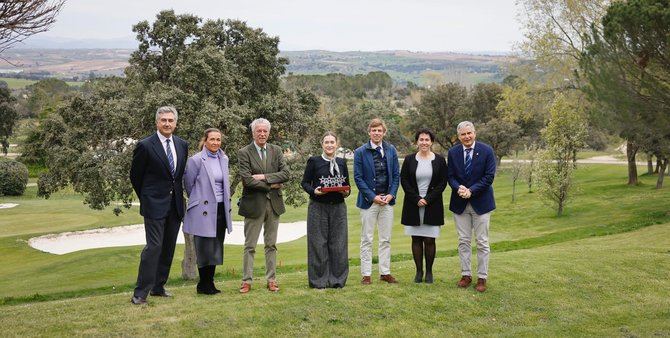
650, 164
658, 165
529, 178
661, 174
631, 151
498, 162
188, 264
513, 190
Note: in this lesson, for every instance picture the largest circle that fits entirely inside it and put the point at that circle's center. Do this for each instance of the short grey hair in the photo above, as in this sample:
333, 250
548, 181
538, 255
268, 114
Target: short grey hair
167, 109
465, 124
258, 121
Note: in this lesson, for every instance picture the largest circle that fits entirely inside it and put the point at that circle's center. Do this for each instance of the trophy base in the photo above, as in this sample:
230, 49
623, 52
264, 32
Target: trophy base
335, 189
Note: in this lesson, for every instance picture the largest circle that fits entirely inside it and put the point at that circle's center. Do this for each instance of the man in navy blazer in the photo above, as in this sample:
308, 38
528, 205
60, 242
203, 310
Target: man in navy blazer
471, 168
156, 175
377, 176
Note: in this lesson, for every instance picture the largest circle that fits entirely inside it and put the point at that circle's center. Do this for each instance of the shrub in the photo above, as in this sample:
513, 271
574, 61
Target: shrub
13, 178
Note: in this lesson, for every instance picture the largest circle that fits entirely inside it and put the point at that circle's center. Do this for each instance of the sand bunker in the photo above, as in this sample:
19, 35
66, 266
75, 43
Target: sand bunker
128, 235
7, 205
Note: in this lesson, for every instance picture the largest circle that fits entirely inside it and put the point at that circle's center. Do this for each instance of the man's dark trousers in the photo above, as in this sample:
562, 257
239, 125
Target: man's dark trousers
156, 258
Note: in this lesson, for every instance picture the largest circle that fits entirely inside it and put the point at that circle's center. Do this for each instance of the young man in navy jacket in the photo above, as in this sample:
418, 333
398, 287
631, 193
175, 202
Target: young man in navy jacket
377, 176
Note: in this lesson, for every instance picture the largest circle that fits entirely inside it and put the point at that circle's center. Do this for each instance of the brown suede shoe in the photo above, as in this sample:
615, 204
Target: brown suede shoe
464, 282
481, 285
245, 288
388, 279
366, 280
273, 286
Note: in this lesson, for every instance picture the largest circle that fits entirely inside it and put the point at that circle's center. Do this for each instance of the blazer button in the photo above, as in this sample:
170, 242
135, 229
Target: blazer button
204, 213
206, 202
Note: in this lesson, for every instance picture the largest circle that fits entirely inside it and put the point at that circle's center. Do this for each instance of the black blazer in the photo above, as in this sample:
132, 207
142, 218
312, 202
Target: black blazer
434, 212
317, 167
152, 179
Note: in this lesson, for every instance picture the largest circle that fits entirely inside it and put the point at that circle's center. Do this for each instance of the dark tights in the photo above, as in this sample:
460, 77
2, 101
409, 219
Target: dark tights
420, 246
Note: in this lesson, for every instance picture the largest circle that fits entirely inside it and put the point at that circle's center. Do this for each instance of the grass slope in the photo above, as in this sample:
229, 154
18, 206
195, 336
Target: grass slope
605, 286
603, 206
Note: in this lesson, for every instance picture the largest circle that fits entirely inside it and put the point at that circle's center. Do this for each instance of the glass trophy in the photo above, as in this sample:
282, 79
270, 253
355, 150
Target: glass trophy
334, 183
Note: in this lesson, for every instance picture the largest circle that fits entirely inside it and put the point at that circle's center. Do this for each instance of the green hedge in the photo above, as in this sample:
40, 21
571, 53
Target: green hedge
13, 178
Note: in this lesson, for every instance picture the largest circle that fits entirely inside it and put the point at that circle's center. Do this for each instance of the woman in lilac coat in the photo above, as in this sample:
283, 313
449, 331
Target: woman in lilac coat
208, 215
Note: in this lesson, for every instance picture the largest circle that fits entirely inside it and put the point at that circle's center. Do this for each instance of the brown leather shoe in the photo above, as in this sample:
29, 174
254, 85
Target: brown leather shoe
481, 285
388, 279
464, 282
366, 280
273, 286
245, 288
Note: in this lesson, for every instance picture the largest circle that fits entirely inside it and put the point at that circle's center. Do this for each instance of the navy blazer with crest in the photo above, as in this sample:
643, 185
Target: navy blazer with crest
480, 181
152, 179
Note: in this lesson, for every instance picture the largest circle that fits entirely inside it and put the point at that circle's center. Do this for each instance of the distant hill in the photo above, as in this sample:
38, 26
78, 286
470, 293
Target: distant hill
403, 66
422, 68
39, 42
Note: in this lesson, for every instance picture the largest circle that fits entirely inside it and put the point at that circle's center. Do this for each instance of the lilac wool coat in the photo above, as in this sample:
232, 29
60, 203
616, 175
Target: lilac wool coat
200, 219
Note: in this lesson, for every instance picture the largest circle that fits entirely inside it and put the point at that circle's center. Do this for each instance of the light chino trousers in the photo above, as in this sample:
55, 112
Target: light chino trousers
382, 217
467, 223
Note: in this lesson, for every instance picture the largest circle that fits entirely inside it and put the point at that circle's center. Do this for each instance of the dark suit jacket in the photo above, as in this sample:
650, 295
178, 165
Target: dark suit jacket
434, 211
255, 193
152, 179
480, 181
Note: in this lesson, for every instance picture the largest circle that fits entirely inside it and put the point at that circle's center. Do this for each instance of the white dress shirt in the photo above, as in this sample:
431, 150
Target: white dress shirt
465, 154
374, 146
172, 147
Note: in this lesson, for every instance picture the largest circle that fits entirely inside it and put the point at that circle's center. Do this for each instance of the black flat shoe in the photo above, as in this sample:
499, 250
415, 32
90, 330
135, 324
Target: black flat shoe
206, 290
418, 277
429, 278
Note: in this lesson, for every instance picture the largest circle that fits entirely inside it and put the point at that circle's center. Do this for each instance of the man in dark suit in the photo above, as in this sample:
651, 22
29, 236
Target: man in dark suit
471, 168
262, 169
156, 174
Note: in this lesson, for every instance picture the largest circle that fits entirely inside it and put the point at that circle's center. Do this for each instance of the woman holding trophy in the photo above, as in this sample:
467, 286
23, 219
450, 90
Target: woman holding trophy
326, 180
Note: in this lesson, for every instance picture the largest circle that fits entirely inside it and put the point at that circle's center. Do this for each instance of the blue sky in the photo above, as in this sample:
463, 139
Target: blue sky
343, 25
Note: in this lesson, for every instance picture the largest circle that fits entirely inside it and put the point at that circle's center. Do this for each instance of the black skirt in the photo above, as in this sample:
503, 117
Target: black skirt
209, 250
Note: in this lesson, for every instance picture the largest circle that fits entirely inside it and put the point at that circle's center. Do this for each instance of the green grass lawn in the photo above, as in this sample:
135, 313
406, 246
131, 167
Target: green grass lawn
547, 273
581, 155
14, 83
604, 286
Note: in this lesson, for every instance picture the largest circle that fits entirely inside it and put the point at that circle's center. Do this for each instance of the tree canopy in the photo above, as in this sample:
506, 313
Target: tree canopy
8, 117
627, 67
217, 73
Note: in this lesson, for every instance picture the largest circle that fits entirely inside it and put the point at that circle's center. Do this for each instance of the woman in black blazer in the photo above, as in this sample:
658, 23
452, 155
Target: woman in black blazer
327, 229
423, 177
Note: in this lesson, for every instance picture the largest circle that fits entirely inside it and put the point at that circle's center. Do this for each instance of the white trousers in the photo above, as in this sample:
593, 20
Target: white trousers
467, 223
382, 216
